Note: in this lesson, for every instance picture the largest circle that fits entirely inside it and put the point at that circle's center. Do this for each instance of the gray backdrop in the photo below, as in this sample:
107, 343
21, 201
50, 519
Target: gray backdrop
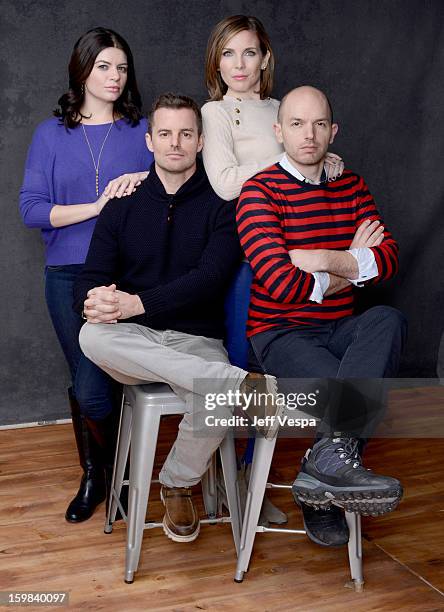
381, 62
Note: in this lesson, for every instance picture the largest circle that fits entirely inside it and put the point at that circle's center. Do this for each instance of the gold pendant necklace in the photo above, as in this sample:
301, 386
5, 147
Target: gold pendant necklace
96, 166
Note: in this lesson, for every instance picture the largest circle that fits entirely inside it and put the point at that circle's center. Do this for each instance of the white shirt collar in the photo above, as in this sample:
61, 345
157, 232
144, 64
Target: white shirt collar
286, 165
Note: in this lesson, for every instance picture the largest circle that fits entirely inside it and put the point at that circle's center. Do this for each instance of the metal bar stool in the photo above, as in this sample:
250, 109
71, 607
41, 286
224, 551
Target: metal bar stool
262, 457
143, 406
261, 450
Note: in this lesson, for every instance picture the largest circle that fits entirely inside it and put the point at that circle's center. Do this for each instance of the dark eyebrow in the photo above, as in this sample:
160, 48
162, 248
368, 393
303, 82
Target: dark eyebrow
190, 129
109, 63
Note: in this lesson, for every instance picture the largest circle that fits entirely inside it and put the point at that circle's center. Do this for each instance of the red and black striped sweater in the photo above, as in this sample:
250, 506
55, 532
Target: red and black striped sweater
276, 213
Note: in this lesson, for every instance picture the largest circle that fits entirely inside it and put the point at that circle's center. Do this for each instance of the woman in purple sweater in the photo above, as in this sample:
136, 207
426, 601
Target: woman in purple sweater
97, 133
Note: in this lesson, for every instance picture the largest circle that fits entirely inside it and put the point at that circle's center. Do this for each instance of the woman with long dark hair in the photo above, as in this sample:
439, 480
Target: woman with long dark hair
97, 133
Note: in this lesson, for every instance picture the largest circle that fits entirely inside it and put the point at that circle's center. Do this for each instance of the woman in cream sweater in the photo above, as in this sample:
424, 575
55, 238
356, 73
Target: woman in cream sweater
239, 141
238, 120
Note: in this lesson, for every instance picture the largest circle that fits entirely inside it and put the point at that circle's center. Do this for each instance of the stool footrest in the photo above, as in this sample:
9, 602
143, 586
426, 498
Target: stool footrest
261, 529
221, 519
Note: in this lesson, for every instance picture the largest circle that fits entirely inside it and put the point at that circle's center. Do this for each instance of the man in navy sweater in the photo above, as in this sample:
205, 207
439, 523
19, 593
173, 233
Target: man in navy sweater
161, 260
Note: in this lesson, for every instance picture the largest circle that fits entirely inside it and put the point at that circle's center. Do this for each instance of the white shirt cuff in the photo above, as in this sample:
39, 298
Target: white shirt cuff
322, 282
367, 266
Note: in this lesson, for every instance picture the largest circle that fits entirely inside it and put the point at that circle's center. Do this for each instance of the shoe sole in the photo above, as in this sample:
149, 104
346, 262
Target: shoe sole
177, 538
362, 500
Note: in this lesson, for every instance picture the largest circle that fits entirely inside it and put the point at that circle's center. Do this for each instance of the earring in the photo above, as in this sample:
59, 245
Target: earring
82, 89
263, 67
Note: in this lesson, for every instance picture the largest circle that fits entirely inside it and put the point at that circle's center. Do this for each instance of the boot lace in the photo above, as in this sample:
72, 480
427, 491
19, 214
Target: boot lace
348, 451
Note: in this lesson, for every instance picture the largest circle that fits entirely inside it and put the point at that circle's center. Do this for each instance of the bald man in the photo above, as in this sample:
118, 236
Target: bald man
311, 245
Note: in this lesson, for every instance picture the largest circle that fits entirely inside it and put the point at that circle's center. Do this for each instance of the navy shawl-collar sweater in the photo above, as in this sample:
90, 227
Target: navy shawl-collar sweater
177, 252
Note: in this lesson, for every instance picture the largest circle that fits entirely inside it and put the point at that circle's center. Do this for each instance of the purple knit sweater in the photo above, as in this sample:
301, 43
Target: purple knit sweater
59, 170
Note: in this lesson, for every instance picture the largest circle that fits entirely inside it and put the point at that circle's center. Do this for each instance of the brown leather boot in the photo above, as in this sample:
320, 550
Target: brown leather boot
180, 522
259, 403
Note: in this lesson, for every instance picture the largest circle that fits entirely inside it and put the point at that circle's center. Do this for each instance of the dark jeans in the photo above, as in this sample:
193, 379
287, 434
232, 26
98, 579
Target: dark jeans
351, 356
94, 390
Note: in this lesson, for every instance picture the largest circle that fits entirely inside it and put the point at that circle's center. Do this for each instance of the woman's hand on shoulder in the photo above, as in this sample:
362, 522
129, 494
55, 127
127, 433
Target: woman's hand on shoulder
334, 166
124, 185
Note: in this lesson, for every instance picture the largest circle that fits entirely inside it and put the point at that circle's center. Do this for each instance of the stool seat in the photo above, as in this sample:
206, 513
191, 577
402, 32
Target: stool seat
142, 408
156, 394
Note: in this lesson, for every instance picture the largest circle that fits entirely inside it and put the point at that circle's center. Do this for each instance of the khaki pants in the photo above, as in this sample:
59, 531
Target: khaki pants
134, 354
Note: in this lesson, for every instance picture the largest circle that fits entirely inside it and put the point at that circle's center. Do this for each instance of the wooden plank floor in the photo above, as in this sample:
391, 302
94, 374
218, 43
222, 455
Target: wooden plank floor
403, 552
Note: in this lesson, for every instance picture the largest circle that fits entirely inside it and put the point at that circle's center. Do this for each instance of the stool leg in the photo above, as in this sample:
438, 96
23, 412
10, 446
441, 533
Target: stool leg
229, 469
122, 448
263, 455
209, 489
144, 431
355, 549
